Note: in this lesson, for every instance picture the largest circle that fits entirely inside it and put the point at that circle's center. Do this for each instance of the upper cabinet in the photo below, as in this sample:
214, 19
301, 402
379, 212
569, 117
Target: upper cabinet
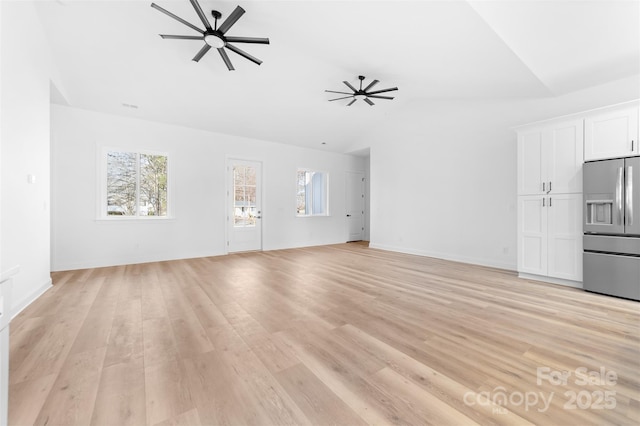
550, 158
611, 133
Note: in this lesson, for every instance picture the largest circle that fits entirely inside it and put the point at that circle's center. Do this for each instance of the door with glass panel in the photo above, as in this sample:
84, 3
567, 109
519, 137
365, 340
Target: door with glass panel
244, 214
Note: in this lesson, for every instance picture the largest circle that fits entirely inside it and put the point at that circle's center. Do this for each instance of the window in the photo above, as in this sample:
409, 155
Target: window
312, 193
244, 196
136, 185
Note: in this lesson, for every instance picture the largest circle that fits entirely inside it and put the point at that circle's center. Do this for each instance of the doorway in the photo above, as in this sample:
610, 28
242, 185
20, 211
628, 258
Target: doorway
244, 205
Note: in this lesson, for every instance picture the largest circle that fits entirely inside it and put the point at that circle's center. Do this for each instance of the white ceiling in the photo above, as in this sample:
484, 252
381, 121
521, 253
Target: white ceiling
108, 53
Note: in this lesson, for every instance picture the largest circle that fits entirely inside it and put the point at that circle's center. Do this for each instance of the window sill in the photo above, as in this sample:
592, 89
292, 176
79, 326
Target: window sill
149, 219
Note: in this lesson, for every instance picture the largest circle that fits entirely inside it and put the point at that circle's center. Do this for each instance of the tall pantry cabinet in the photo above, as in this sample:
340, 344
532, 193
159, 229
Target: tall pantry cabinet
550, 157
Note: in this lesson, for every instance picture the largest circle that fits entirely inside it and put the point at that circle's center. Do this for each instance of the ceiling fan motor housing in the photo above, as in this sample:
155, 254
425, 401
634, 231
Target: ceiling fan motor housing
215, 39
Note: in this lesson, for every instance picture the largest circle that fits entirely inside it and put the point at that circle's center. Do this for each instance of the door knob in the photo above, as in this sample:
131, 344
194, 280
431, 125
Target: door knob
348, 215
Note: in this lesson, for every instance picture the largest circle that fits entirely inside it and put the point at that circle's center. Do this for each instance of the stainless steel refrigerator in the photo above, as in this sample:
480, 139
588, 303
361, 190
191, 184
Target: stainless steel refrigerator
611, 262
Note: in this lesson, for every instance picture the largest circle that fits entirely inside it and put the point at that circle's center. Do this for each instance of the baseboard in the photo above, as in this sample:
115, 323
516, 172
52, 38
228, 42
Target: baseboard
551, 280
303, 245
446, 256
155, 258
16, 309
133, 260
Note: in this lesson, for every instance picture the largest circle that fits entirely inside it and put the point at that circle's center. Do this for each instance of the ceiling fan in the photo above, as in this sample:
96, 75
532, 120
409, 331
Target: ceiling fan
361, 93
215, 36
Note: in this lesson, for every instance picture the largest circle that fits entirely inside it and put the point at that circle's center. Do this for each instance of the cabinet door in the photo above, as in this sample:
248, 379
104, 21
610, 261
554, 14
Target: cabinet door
530, 162
564, 236
611, 134
562, 157
532, 234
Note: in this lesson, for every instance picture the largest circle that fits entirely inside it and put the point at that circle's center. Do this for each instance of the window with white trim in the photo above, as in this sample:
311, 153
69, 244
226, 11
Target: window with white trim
312, 193
135, 184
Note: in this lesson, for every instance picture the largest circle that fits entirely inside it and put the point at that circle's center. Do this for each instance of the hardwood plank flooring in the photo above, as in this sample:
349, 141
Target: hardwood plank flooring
330, 335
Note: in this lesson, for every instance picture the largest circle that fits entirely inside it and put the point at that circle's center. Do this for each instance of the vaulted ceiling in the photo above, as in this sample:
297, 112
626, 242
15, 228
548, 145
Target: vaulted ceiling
108, 54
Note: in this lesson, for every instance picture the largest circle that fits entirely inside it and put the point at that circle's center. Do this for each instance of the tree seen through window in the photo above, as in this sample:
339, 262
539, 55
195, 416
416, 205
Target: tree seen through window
136, 184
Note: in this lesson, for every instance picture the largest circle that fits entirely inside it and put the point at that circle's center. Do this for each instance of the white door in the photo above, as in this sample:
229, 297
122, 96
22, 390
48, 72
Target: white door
532, 234
244, 214
355, 206
565, 236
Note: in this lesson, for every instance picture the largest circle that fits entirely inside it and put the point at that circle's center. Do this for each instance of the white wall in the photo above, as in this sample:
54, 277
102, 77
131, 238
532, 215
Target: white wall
443, 188
1, 203
197, 164
25, 226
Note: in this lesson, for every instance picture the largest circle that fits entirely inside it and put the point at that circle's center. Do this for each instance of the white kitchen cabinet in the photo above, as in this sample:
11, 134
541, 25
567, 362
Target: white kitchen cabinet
611, 133
532, 235
530, 159
550, 157
550, 236
564, 236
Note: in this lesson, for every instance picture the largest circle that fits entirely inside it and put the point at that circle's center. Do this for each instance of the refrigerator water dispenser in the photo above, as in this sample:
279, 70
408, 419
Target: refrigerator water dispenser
599, 212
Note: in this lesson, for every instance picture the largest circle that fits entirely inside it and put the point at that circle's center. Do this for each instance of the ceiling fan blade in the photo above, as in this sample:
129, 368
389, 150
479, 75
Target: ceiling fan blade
373, 83
380, 97
382, 91
201, 53
343, 93
243, 53
350, 103
350, 86
226, 59
231, 19
181, 37
369, 101
344, 97
201, 14
258, 40
177, 18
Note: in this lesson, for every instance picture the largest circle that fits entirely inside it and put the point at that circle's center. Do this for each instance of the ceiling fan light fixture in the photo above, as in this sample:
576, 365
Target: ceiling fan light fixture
214, 41
214, 36
361, 94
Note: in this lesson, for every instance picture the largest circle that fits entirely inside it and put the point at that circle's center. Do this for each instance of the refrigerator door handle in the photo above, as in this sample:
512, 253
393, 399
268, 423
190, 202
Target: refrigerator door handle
619, 195
628, 198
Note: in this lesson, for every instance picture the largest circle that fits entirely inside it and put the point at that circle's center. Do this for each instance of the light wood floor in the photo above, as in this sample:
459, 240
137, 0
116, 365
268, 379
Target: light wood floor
328, 335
